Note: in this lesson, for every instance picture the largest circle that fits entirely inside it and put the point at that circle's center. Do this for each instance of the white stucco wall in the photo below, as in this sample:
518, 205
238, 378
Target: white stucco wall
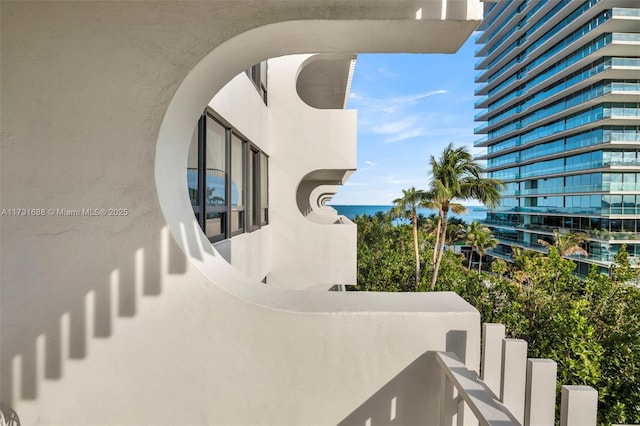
304, 140
240, 104
129, 320
299, 140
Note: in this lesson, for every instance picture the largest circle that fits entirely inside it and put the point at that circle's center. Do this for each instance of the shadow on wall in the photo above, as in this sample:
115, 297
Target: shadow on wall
413, 395
65, 319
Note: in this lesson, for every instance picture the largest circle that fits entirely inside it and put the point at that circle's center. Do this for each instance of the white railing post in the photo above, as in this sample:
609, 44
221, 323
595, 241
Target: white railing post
492, 356
448, 402
579, 406
514, 376
540, 398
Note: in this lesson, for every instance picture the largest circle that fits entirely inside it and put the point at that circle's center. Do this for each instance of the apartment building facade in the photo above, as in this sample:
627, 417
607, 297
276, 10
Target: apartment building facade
559, 107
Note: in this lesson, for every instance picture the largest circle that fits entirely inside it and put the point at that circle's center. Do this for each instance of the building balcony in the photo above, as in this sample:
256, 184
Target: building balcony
547, 88
601, 235
547, 111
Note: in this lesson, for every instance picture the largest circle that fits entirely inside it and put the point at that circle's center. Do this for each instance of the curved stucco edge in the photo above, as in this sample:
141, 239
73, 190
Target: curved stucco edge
211, 74
339, 62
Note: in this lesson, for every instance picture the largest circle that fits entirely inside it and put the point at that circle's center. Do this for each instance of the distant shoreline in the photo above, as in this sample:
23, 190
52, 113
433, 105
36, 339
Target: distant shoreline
473, 212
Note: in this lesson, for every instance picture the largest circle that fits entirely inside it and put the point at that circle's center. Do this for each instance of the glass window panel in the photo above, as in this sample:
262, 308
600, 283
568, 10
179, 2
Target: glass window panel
629, 157
237, 184
616, 225
215, 224
192, 172
215, 191
629, 204
253, 189
585, 180
616, 157
264, 189
568, 222
616, 181
215, 161
629, 181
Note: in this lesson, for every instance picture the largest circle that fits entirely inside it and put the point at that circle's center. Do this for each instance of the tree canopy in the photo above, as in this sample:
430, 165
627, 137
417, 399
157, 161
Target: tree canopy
590, 326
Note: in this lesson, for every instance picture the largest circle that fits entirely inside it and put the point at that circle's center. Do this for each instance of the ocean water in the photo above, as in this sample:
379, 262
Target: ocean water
473, 212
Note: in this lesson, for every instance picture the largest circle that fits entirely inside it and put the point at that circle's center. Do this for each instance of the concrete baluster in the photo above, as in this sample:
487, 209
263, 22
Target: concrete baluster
514, 375
540, 398
448, 403
492, 335
579, 406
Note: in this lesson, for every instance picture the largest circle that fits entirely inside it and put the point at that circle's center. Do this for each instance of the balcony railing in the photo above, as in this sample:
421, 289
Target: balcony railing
512, 389
595, 234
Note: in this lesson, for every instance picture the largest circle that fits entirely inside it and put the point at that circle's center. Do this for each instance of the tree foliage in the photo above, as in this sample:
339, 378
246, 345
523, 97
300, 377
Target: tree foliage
481, 239
566, 244
589, 326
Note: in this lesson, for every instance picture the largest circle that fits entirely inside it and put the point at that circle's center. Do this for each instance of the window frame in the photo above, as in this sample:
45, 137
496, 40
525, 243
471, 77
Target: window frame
253, 217
223, 210
243, 210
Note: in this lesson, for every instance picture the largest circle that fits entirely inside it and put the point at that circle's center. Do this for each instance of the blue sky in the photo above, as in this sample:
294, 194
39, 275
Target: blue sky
409, 108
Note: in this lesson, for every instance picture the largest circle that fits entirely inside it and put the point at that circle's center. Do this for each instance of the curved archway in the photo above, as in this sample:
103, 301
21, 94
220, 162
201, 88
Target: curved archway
238, 53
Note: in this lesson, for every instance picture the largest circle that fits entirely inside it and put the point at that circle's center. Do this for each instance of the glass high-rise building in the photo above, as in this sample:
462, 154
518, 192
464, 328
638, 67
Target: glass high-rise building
559, 111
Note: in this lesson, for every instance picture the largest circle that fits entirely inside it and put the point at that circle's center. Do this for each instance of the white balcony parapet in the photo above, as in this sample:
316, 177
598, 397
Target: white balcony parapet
527, 388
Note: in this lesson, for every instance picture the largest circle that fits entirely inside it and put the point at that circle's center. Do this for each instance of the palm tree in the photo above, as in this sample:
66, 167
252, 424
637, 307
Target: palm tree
472, 233
440, 227
406, 206
481, 239
566, 244
455, 175
455, 233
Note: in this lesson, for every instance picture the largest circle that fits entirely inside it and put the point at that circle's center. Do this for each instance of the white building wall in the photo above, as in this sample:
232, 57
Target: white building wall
304, 140
303, 252
133, 319
240, 104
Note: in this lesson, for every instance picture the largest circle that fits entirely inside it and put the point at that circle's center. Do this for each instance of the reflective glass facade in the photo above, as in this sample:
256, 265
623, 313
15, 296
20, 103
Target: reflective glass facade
559, 114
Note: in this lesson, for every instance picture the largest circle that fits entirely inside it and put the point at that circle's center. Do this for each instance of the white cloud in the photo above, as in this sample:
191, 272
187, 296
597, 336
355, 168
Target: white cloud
394, 126
391, 104
397, 181
386, 73
408, 134
416, 97
370, 163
